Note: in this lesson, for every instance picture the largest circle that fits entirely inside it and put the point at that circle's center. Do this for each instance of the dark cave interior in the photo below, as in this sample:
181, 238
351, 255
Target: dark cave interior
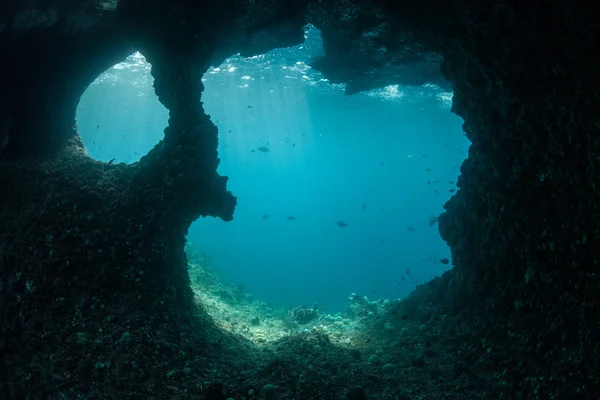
84, 243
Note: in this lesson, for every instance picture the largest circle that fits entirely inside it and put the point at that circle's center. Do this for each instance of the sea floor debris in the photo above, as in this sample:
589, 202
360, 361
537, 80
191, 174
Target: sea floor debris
384, 349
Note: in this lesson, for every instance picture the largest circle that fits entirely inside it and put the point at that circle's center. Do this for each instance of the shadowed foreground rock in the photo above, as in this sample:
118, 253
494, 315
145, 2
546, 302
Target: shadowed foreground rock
94, 293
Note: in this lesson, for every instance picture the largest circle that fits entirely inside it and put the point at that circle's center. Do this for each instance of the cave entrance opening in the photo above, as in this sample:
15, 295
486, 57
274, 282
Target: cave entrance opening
119, 117
337, 195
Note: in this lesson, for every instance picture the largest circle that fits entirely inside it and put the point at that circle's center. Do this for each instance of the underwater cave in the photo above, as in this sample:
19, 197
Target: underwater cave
108, 166
340, 194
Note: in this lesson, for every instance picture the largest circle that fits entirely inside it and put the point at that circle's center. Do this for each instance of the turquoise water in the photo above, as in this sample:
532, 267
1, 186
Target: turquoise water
304, 160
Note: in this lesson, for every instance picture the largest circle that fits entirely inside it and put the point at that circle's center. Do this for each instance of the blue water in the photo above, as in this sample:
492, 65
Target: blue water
381, 162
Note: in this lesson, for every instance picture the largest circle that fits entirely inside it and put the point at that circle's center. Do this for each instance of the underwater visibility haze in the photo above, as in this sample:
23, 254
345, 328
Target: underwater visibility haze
336, 194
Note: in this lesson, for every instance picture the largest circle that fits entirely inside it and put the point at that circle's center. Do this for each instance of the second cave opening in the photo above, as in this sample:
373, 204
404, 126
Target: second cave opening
337, 194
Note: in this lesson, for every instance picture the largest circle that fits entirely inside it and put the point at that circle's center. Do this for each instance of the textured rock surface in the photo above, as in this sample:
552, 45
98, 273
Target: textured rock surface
366, 49
91, 251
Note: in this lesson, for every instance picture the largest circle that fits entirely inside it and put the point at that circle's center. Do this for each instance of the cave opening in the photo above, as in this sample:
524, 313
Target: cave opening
338, 195
119, 117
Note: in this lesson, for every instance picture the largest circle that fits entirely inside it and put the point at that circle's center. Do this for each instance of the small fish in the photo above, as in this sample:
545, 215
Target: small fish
252, 151
452, 190
410, 229
97, 126
364, 206
291, 218
381, 164
263, 149
111, 161
249, 106
445, 261
341, 224
428, 169
266, 216
431, 221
